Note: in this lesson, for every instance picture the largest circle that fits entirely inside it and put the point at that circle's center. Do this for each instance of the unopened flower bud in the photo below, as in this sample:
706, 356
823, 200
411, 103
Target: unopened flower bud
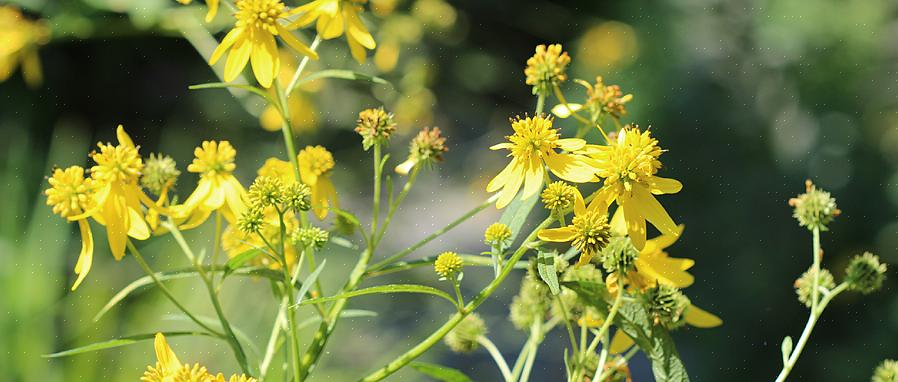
865, 273
266, 191
160, 172
546, 68
298, 197
804, 286
311, 237
375, 126
463, 338
251, 221
666, 305
530, 304
619, 255
448, 265
426, 148
558, 196
887, 371
815, 208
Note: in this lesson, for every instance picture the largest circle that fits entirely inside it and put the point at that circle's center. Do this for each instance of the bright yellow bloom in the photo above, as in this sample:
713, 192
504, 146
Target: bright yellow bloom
588, 232
70, 194
628, 166
20, 39
334, 18
532, 147
253, 40
217, 189
169, 369
315, 165
653, 265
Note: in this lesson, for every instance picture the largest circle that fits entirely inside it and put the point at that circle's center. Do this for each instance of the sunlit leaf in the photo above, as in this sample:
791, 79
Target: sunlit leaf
123, 341
385, 289
440, 373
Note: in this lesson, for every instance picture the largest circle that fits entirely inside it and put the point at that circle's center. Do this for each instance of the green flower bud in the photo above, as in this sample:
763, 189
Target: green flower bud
666, 305
463, 338
448, 265
804, 286
865, 273
619, 255
266, 191
298, 197
814, 209
159, 172
251, 221
310, 237
887, 371
530, 304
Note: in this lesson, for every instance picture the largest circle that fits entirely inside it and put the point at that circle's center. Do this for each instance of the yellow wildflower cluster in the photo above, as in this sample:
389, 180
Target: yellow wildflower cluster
21, 39
169, 369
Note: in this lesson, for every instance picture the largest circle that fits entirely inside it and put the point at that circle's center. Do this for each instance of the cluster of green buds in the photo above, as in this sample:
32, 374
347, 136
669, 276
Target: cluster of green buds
619, 256
426, 149
310, 237
160, 173
887, 371
815, 208
558, 197
464, 337
271, 192
804, 286
375, 126
531, 303
666, 305
547, 68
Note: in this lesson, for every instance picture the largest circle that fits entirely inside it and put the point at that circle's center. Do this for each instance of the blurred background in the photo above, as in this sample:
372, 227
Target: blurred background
750, 98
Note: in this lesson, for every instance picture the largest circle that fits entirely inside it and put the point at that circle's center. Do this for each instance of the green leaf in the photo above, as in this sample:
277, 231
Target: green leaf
386, 289
343, 75
223, 85
633, 319
787, 349
545, 265
348, 216
309, 281
342, 242
469, 260
123, 341
237, 261
515, 214
347, 313
440, 373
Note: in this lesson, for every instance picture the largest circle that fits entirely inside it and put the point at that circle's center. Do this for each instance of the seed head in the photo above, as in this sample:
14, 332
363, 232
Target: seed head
546, 68
311, 237
666, 305
252, 220
815, 208
559, 196
267, 191
298, 197
804, 286
375, 126
865, 273
160, 172
463, 338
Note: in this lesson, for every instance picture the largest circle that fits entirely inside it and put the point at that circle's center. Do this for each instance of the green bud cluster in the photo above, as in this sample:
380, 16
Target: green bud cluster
310, 237
804, 286
463, 338
815, 208
887, 371
865, 273
619, 255
251, 221
666, 305
159, 172
269, 191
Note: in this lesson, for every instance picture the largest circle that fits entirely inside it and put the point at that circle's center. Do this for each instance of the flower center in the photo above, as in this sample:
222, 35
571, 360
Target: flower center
533, 137
633, 158
70, 192
591, 232
119, 163
260, 14
216, 158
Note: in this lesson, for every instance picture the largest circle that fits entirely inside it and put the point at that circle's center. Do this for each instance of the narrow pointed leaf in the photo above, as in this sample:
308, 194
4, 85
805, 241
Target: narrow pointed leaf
224, 85
118, 342
343, 75
545, 265
386, 289
309, 281
440, 373
515, 214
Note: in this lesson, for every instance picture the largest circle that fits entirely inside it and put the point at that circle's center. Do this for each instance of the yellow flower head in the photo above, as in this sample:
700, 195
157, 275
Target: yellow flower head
628, 166
653, 265
70, 193
497, 234
546, 68
532, 148
588, 232
253, 40
169, 369
559, 196
217, 189
21, 39
448, 264
119, 163
315, 165
334, 17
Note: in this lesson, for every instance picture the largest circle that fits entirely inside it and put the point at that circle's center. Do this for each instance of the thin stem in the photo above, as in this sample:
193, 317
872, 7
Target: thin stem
564, 102
149, 271
525, 350
217, 249
497, 357
287, 128
813, 317
474, 211
531, 355
605, 373
271, 349
395, 205
288, 292
376, 202
318, 289
815, 295
540, 103
458, 296
436, 336
602, 357
606, 325
302, 65
567, 323
231, 337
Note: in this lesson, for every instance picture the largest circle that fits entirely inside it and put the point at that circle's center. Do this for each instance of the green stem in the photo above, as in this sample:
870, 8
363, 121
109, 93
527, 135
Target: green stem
535, 330
149, 271
567, 323
602, 358
434, 235
287, 128
605, 373
377, 175
288, 292
302, 65
540, 103
458, 296
436, 336
813, 317
231, 337
815, 292
395, 205
271, 348
497, 357
606, 325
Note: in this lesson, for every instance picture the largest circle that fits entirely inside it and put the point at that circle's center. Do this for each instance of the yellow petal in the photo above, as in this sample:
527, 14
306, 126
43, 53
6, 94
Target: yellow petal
510, 189
571, 144
653, 211
196, 198
123, 137
503, 177
213, 10
356, 29
557, 235
404, 167
307, 14
85, 259
664, 270
635, 221
115, 213
197, 216
579, 203
322, 194
570, 167
700, 318
238, 57
226, 43
138, 227
294, 43
167, 359
565, 110
235, 195
620, 342
602, 199
533, 178
264, 59
617, 223
503, 145
216, 197
330, 26
666, 240
659, 185
357, 50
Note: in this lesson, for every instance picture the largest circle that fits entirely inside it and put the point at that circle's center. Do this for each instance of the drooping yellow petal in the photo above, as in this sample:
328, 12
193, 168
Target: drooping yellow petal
620, 342
226, 44
167, 359
557, 235
659, 185
85, 259
700, 318
563, 111
264, 59
653, 211
115, 214
138, 227
216, 197
533, 178
570, 167
511, 188
357, 50
238, 57
634, 219
330, 24
665, 240
664, 270
504, 177
617, 223
235, 196
213, 10
500, 146
323, 195
294, 43
579, 203
356, 30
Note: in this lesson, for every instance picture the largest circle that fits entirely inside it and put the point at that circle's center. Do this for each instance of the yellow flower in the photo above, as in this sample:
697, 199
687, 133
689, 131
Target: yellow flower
70, 194
217, 189
315, 165
653, 265
448, 264
334, 18
21, 39
628, 166
546, 68
532, 147
253, 40
588, 232
693, 316
169, 369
